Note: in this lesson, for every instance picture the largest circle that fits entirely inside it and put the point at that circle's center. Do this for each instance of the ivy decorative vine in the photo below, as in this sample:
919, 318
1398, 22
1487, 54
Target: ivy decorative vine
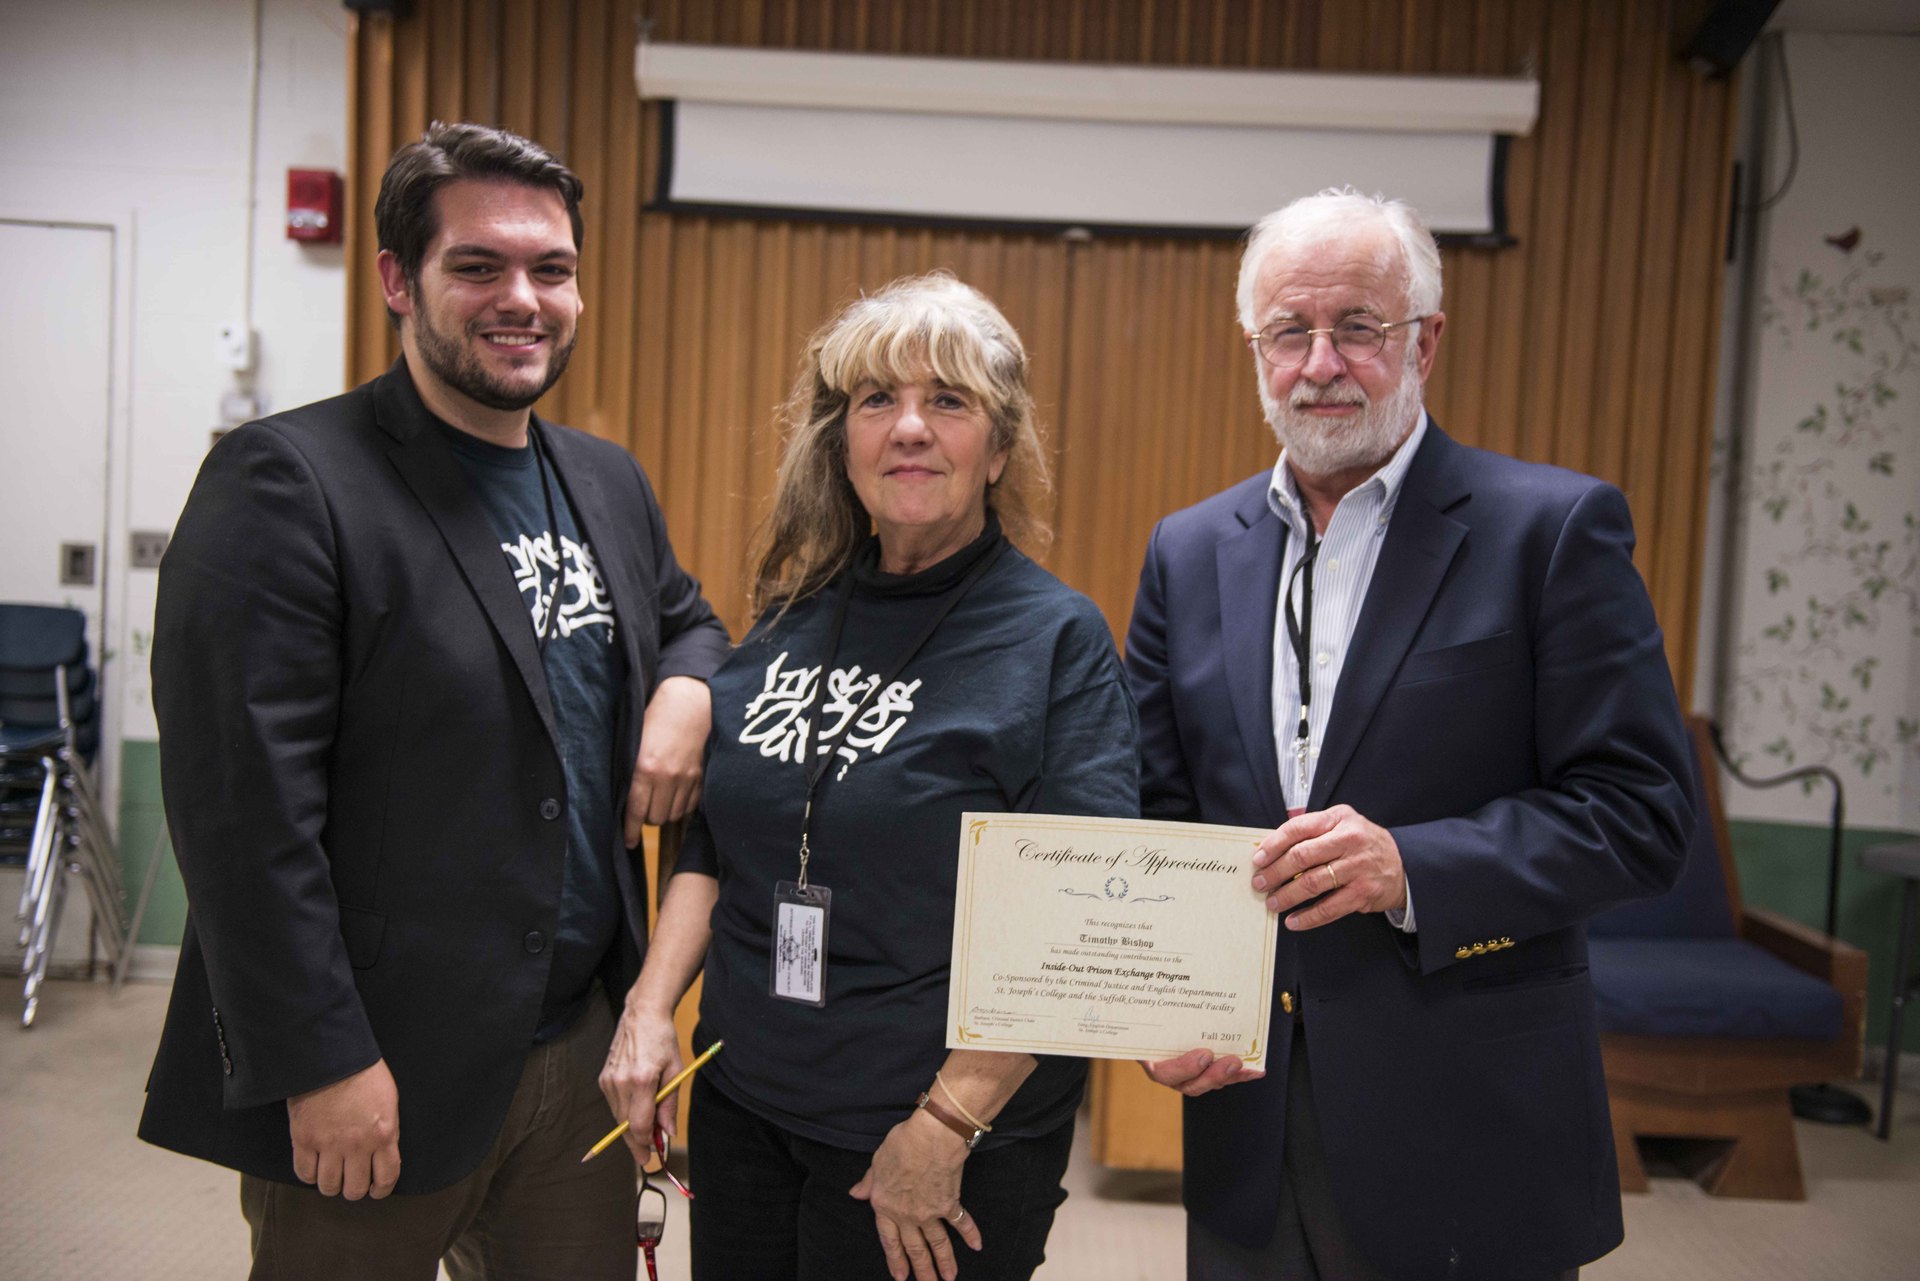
1840, 579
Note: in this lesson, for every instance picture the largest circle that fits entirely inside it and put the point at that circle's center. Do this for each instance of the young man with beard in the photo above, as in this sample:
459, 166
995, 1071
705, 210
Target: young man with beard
423, 665
1435, 674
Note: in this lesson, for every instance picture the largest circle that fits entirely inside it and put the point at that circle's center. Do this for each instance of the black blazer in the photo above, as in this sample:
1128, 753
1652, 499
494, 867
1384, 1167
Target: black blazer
1506, 710
362, 776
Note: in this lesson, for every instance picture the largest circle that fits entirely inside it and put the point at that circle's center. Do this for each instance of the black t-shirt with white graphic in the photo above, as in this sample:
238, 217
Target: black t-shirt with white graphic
567, 599
1016, 703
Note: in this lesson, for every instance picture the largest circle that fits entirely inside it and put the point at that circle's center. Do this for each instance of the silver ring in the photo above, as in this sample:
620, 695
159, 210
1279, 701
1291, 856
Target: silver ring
959, 1217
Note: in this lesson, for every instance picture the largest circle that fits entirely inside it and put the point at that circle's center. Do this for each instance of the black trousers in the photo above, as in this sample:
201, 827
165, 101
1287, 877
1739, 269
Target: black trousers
770, 1205
1309, 1242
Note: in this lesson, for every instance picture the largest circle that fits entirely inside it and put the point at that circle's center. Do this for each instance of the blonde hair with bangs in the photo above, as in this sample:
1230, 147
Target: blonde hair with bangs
932, 324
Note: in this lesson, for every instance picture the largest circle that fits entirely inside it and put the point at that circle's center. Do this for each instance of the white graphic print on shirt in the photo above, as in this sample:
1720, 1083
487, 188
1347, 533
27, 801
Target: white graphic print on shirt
777, 725
538, 571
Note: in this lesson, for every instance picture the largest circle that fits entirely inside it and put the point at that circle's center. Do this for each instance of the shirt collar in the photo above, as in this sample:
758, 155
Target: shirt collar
1283, 493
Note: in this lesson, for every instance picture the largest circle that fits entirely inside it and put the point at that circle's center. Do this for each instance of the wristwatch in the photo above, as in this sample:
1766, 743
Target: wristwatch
948, 1119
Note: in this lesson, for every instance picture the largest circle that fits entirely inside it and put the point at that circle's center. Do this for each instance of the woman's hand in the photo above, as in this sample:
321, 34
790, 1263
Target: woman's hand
645, 1054
913, 1186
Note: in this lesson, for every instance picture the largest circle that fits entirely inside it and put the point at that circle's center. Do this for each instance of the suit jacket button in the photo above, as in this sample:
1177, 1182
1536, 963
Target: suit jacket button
1286, 1002
549, 809
535, 942
1479, 949
226, 1063
1462, 953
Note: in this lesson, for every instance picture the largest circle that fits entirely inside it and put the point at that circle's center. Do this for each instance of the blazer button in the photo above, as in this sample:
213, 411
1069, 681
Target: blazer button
1286, 1002
535, 942
226, 1063
549, 809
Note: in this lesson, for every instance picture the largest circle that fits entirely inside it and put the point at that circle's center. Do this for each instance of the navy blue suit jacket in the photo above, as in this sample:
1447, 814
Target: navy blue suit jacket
1507, 712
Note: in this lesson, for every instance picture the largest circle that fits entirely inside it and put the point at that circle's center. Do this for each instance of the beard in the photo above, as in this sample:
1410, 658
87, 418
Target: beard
1322, 448
456, 365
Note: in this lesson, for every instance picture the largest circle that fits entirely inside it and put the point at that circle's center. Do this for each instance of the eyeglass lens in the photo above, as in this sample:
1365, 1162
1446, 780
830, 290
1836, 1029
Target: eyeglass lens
1356, 338
651, 1217
650, 1224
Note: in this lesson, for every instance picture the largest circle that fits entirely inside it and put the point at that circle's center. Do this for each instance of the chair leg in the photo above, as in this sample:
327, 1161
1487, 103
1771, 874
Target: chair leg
1754, 1152
40, 950
39, 849
1903, 986
1633, 1172
1764, 1159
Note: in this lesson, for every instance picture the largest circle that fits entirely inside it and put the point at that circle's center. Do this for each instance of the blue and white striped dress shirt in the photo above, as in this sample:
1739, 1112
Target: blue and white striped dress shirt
1349, 550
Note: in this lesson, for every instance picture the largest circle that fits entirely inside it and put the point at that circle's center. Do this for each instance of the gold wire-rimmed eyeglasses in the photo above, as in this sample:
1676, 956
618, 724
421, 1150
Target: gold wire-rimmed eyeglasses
1285, 343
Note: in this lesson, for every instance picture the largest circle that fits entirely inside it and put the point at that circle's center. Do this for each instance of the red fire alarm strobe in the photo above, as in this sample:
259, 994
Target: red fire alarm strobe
313, 206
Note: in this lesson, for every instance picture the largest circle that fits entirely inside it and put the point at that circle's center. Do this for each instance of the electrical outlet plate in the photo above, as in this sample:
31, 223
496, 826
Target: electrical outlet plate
145, 547
235, 345
77, 564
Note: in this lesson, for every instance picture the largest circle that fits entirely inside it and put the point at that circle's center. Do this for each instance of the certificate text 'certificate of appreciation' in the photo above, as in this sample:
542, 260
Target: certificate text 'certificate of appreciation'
1109, 938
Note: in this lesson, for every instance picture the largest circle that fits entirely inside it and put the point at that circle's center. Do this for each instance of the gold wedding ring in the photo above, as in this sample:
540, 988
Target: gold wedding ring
1332, 875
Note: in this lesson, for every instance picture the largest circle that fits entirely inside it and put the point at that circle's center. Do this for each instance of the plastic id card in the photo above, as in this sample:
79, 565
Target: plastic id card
800, 942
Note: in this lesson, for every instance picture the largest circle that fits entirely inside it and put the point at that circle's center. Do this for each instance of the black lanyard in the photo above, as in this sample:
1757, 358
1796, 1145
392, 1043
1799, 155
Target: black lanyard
553, 532
1300, 637
825, 751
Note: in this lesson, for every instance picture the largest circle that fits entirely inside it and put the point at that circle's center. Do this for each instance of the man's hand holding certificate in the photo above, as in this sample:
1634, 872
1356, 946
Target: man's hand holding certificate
1109, 938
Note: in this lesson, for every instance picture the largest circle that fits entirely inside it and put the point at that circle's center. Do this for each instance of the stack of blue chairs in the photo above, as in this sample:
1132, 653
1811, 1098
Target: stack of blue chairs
51, 821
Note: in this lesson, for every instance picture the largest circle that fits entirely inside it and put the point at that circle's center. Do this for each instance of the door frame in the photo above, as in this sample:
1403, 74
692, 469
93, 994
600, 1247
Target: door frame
114, 636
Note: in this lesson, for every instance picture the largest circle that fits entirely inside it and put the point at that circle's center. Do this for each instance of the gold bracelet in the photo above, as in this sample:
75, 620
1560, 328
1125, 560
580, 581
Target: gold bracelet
973, 1120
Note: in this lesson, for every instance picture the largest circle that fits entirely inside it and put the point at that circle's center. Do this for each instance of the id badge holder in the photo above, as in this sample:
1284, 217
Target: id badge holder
800, 942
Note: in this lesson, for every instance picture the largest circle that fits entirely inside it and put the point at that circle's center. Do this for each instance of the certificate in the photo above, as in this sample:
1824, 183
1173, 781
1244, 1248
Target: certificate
1109, 938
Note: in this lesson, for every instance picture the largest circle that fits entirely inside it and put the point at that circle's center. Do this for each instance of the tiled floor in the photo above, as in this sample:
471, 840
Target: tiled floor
82, 1200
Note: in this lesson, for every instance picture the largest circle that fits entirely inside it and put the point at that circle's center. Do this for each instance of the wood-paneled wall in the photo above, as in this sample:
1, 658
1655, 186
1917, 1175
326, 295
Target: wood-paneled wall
1591, 343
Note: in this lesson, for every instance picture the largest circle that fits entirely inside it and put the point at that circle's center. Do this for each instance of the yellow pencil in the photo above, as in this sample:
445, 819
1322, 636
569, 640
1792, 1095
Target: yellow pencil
679, 1080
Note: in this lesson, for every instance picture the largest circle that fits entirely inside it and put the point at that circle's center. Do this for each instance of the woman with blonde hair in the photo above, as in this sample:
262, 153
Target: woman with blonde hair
909, 664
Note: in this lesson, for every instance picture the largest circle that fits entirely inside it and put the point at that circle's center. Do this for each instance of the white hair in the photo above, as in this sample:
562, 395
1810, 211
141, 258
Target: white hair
1335, 213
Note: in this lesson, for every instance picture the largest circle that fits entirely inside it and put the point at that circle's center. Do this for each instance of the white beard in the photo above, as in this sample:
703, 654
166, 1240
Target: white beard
1322, 448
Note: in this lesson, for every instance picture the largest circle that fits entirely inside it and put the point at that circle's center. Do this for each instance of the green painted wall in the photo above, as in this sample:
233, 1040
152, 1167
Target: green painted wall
141, 823
1783, 866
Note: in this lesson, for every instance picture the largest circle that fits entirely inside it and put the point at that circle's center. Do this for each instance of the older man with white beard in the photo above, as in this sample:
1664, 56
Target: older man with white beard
1434, 673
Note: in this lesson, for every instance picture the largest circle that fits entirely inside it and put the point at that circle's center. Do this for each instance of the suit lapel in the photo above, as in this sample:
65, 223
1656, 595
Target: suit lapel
1422, 541
429, 468
1249, 583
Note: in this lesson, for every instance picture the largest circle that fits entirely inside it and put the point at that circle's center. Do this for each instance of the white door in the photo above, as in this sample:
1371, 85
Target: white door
56, 358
